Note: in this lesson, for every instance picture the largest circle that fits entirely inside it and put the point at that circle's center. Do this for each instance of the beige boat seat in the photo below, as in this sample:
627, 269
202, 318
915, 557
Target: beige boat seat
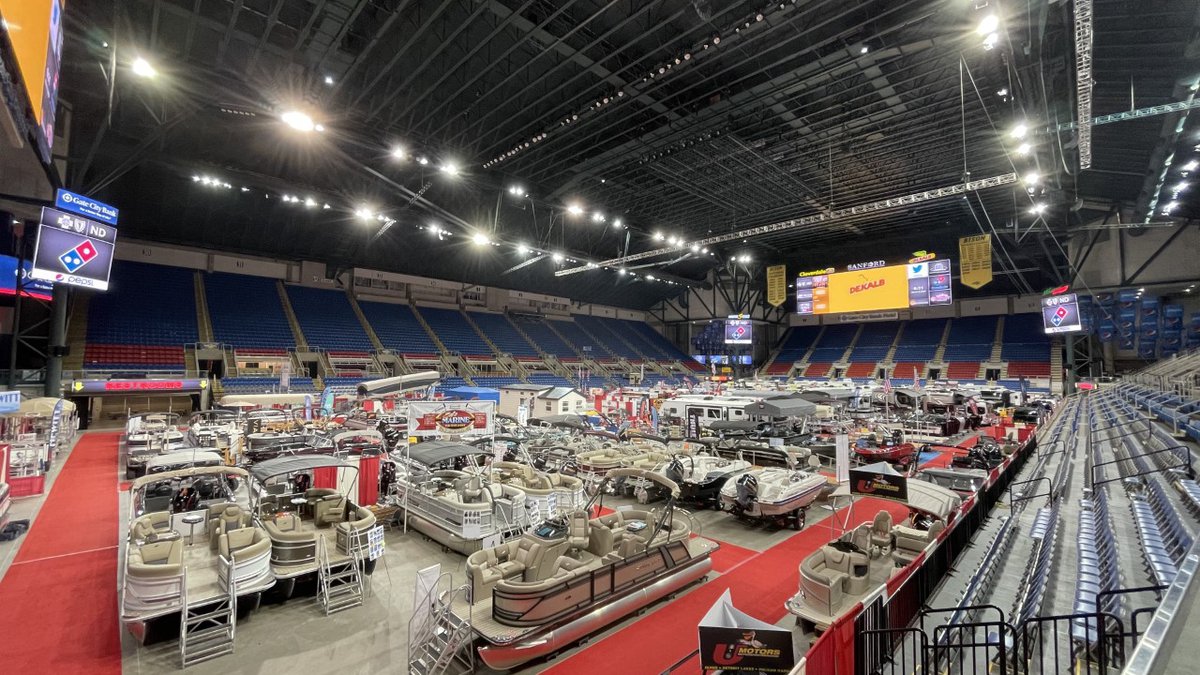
223, 518
329, 509
156, 523
828, 574
359, 520
881, 531
566, 566
909, 543
286, 527
242, 543
472, 491
579, 529
157, 559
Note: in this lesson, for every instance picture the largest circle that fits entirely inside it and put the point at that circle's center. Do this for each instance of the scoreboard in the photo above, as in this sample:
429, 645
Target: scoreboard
868, 287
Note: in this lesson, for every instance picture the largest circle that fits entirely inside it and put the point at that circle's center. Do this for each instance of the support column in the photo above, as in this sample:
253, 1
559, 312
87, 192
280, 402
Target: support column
58, 338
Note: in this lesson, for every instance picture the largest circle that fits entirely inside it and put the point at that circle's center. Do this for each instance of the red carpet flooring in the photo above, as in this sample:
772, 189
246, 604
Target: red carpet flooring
59, 597
663, 637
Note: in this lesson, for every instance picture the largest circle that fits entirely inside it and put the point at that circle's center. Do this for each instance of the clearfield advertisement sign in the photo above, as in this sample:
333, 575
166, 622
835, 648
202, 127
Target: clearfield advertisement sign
451, 418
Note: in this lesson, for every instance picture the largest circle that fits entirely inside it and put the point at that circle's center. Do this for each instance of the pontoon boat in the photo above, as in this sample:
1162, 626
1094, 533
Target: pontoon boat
573, 575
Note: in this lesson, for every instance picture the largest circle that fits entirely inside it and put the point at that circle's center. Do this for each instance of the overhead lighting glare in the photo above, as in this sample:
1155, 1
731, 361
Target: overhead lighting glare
1191, 166
1019, 131
1038, 209
695, 248
422, 160
522, 249
990, 42
575, 209
516, 190
450, 169
142, 68
597, 217
864, 49
297, 120
1024, 149
329, 80
480, 239
363, 213
658, 236
558, 257
617, 222
398, 152
1031, 178
988, 25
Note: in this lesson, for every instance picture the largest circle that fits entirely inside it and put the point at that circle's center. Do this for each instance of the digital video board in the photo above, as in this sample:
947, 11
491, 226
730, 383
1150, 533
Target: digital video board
870, 287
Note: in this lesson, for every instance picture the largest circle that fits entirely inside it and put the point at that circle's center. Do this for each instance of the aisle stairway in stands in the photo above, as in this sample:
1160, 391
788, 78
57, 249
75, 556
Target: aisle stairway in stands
293, 322
362, 321
203, 319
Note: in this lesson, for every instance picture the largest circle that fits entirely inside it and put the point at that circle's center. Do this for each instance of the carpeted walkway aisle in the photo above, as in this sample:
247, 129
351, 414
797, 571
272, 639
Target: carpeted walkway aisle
59, 597
655, 642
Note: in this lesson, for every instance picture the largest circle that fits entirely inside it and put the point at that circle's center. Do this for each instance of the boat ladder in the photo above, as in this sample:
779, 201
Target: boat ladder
206, 629
341, 582
445, 639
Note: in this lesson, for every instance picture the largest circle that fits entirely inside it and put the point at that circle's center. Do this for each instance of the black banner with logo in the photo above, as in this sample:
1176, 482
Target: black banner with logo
882, 485
743, 650
694, 415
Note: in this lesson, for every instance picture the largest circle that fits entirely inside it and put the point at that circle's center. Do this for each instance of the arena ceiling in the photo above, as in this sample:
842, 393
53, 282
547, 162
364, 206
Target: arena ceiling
570, 132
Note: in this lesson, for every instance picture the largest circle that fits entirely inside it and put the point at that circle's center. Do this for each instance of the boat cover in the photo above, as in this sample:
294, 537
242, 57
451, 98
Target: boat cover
434, 452
782, 407
188, 473
293, 463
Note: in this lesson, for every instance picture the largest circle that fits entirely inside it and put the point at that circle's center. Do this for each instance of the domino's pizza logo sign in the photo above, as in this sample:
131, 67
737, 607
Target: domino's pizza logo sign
1059, 315
739, 332
79, 256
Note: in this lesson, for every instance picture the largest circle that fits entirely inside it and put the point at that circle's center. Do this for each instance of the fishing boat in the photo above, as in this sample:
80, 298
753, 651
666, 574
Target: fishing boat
574, 575
191, 543
871, 448
772, 494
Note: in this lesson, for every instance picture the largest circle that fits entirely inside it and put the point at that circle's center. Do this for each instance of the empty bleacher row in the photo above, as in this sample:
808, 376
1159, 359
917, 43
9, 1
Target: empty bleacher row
142, 326
961, 349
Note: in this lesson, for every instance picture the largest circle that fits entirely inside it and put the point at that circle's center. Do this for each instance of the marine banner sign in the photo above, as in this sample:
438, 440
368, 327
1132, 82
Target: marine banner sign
451, 418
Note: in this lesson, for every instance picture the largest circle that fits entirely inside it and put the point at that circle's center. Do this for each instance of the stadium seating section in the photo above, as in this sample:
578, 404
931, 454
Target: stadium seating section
454, 332
327, 320
246, 312
503, 334
143, 321
398, 329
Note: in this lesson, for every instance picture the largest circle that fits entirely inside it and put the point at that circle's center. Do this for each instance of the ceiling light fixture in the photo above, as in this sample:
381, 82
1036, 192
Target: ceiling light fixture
480, 239
575, 209
558, 257
1024, 149
398, 152
142, 68
597, 217
450, 169
422, 160
1019, 131
297, 120
988, 25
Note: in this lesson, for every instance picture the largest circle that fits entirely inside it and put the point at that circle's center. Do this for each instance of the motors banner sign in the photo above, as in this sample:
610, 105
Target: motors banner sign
732, 641
451, 418
777, 285
975, 260
875, 484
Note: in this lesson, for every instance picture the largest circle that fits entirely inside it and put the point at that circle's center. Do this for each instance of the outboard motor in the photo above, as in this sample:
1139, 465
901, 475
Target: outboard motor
387, 476
674, 470
747, 490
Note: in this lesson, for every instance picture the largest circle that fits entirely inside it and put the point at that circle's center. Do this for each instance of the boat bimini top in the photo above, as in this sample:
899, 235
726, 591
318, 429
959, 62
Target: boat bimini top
279, 466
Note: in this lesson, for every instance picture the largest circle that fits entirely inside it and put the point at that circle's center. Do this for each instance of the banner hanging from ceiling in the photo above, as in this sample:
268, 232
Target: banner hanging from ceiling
975, 260
776, 285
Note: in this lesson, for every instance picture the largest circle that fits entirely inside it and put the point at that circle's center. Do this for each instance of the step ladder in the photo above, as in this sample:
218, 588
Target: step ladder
206, 630
341, 582
443, 639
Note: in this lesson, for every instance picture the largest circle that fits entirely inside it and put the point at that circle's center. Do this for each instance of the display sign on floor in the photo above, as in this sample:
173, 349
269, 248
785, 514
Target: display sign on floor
879, 480
732, 641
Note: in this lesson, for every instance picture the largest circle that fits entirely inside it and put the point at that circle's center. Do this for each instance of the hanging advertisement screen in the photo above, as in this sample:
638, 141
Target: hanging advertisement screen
73, 250
35, 30
738, 331
1060, 314
920, 283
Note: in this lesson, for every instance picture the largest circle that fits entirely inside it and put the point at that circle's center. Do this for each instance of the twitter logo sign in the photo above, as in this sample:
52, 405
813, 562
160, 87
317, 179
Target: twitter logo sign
918, 271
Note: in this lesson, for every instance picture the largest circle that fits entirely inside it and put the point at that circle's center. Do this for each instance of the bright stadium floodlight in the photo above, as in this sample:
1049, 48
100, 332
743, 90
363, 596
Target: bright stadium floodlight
142, 68
297, 120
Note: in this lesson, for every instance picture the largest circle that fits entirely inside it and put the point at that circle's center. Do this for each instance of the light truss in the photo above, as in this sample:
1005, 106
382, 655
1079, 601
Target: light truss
1152, 111
829, 216
1083, 79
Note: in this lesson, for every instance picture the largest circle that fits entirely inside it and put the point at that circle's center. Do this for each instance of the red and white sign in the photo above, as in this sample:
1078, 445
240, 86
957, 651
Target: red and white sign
451, 418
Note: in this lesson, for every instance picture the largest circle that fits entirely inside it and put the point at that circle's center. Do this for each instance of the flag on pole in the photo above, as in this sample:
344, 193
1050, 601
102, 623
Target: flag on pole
887, 385
916, 382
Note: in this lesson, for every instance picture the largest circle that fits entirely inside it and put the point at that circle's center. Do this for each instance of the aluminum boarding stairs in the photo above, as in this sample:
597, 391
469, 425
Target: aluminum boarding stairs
445, 640
207, 630
342, 582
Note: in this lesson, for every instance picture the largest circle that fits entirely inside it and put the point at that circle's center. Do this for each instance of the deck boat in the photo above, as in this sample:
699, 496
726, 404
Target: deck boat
772, 494
309, 528
191, 542
839, 574
459, 508
213, 428
574, 575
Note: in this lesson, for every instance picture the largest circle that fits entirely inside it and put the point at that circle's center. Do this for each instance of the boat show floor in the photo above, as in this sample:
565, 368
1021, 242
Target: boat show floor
77, 526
